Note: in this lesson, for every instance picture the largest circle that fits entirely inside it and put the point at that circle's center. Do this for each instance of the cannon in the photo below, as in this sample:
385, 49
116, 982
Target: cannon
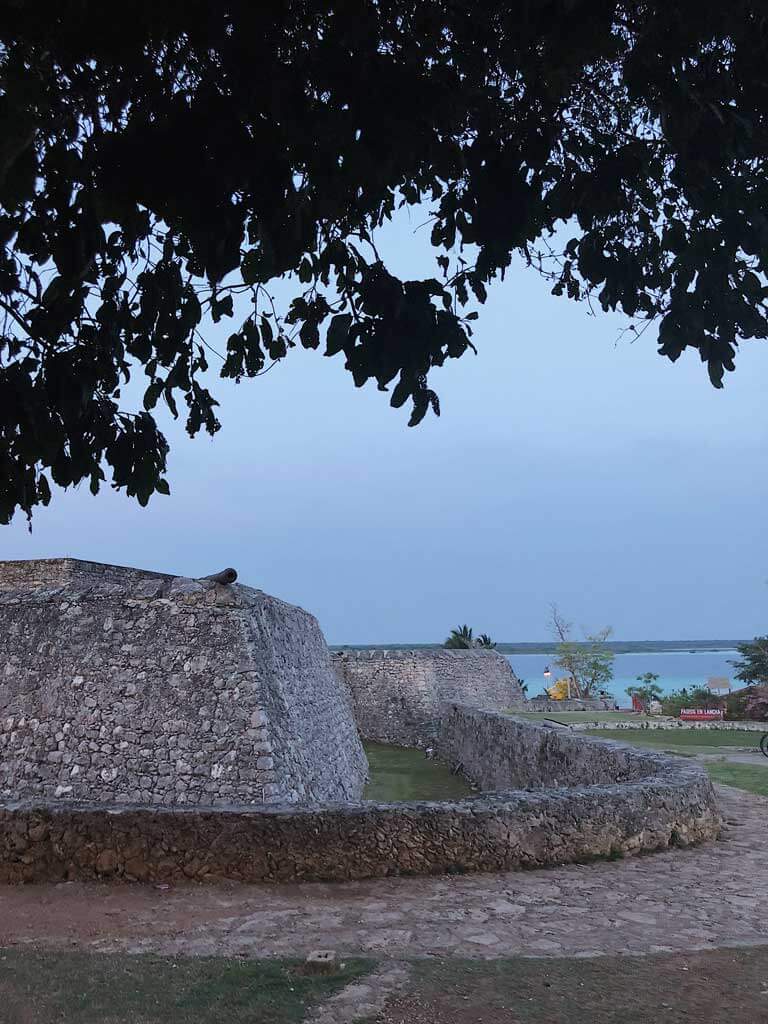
225, 576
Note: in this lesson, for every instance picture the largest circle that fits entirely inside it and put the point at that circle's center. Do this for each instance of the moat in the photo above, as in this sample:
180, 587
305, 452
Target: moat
399, 774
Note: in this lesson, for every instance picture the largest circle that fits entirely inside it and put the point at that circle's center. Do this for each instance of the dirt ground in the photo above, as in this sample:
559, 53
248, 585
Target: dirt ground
680, 936
677, 901
722, 987
716, 987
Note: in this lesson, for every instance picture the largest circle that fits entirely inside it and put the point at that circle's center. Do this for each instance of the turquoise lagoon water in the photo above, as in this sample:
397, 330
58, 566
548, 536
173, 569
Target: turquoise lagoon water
674, 668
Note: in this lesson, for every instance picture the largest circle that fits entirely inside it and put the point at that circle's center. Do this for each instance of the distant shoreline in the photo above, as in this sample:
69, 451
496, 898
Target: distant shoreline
544, 647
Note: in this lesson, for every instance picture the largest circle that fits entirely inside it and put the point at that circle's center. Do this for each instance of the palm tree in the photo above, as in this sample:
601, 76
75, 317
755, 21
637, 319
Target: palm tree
485, 641
460, 639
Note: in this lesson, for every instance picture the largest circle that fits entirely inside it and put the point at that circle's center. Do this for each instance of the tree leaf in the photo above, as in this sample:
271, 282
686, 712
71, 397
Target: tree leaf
338, 332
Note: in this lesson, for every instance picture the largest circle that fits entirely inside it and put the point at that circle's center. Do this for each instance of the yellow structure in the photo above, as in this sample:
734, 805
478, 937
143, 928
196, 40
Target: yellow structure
559, 690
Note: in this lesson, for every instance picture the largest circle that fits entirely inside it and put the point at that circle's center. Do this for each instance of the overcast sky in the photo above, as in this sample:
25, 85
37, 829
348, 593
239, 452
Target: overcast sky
568, 465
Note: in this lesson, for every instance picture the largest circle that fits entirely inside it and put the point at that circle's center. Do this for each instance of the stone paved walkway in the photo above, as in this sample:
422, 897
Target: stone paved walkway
750, 757
716, 895
363, 999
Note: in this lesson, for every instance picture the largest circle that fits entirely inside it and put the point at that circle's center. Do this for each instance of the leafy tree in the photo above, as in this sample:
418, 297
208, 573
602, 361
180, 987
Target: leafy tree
568, 652
648, 689
695, 697
597, 663
162, 164
648, 679
587, 663
674, 701
740, 704
752, 667
460, 639
756, 705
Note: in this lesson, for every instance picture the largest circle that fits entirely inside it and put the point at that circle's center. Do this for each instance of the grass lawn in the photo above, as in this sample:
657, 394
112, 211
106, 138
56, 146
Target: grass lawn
742, 776
83, 988
690, 741
568, 717
752, 778
400, 774
712, 987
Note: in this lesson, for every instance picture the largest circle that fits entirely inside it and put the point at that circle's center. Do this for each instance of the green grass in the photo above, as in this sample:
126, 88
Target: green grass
742, 776
691, 741
707, 987
84, 988
399, 774
568, 717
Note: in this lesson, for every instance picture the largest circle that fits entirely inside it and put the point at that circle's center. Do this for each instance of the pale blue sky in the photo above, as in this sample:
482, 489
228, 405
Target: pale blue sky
567, 466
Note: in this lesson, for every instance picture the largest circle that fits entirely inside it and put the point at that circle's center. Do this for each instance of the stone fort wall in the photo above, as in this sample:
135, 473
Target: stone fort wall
659, 802
131, 687
501, 753
397, 694
162, 728
548, 706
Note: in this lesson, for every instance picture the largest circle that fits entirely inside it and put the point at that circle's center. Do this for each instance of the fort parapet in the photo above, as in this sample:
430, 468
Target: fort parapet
155, 728
396, 694
125, 686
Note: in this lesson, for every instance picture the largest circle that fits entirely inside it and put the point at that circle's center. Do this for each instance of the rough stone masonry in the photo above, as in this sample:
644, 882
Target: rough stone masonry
151, 727
397, 694
583, 798
131, 687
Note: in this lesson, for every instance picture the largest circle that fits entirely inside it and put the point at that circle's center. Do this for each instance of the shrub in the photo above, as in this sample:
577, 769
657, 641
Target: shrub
757, 704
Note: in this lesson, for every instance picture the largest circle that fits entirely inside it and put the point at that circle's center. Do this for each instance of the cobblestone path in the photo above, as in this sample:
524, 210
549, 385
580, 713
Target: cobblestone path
711, 896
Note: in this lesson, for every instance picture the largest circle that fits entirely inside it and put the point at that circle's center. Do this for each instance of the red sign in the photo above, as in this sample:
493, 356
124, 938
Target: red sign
701, 714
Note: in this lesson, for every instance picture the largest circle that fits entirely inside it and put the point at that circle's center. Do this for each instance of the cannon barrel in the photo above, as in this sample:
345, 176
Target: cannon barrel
225, 576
